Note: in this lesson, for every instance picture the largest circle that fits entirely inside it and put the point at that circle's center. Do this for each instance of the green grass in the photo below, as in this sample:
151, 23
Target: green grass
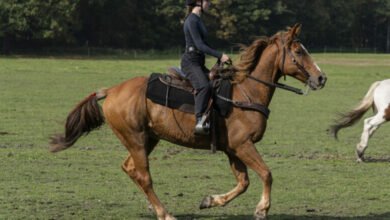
315, 177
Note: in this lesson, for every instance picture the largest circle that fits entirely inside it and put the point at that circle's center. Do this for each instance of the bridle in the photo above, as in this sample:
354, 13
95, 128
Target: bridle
294, 60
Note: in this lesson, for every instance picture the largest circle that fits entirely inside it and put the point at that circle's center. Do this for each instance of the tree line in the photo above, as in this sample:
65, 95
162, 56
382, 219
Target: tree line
157, 24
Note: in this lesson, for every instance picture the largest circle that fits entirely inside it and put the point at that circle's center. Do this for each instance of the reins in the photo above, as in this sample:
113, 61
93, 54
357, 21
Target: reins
278, 85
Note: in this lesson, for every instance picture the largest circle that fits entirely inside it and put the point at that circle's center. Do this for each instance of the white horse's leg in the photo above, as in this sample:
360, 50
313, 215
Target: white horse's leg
362, 145
370, 126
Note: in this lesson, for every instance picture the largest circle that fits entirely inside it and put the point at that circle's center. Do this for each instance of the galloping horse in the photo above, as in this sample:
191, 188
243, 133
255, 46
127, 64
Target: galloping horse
377, 97
140, 124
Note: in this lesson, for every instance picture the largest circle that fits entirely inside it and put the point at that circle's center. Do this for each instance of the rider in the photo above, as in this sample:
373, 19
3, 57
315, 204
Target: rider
193, 60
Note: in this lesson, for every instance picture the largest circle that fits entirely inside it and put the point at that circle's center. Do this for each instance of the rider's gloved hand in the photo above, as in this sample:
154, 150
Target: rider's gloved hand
225, 58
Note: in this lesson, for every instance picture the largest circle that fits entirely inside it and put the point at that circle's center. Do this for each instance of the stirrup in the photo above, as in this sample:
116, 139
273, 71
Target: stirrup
202, 127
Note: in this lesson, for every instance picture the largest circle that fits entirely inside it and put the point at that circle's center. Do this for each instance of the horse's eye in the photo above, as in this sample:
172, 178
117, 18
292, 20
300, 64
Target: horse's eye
298, 52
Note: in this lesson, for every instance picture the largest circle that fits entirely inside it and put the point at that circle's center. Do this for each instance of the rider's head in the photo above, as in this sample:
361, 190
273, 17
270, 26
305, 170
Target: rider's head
203, 4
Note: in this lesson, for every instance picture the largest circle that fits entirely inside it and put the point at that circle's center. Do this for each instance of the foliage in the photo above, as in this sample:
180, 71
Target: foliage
238, 18
156, 24
35, 19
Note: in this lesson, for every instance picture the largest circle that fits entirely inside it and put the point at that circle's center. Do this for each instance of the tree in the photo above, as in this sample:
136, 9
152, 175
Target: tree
169, 24
36, 20
383, 22
238, 21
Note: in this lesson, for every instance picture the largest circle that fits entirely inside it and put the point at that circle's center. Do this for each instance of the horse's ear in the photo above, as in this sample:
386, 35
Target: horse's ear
297, 27
293, 33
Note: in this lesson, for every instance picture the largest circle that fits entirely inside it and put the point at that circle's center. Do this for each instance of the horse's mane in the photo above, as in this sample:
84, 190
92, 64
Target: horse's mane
250, 55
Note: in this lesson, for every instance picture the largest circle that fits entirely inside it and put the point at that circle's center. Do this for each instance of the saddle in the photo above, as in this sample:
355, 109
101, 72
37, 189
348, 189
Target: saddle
173, 90
176, 77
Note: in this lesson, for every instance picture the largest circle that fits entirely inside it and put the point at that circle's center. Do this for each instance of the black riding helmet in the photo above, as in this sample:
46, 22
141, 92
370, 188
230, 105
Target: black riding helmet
190, 2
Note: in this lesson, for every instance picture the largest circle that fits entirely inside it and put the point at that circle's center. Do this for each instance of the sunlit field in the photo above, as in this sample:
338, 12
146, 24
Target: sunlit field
315, 177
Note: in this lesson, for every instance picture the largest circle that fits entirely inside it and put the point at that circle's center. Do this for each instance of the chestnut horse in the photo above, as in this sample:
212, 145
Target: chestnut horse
140, 124
377, 98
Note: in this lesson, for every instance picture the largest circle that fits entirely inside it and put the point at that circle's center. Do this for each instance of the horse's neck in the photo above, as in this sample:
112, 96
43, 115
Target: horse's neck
265, 70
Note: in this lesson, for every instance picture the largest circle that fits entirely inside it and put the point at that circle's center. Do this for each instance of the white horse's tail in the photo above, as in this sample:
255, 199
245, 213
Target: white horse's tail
353, 116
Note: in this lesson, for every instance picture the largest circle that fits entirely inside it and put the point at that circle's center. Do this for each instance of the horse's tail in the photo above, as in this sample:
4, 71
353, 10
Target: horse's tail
84, 118
353, 116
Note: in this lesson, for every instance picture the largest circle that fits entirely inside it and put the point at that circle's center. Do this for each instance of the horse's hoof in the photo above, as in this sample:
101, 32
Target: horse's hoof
260, 216
359, 157
206, 203
150, 207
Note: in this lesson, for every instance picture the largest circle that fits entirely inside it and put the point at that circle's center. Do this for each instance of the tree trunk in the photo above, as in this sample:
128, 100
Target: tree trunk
388, 36
6, 44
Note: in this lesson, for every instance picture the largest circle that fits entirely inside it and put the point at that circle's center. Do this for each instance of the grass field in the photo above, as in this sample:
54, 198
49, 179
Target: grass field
315, 177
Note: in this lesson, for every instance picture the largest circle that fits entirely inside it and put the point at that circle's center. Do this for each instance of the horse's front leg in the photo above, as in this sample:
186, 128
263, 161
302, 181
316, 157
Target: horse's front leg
240, 172
248, 154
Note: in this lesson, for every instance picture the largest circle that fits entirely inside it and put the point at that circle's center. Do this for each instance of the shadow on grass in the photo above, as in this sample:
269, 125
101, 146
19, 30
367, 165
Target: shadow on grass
377, 160
382, 216
278, 217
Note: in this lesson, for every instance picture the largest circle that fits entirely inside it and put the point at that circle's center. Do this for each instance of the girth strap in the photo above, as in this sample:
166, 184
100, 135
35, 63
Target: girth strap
248, 105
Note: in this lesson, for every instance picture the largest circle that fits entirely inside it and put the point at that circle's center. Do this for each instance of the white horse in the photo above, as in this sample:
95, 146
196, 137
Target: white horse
377, 97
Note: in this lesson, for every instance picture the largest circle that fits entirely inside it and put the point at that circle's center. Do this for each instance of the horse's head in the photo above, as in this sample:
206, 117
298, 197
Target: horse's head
295, 60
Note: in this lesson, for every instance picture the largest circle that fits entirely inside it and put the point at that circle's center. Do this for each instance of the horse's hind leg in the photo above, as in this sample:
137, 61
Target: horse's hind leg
240, 172
137, 167
129, 168
370, 126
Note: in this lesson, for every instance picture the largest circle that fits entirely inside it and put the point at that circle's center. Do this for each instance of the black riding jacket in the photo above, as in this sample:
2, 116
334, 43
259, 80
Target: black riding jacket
195, 34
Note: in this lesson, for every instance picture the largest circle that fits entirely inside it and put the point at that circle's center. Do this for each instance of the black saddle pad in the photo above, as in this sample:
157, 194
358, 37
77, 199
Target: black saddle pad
169, 96
182, 100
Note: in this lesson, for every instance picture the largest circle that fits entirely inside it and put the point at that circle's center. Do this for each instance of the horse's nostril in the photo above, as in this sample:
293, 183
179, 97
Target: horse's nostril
320, 79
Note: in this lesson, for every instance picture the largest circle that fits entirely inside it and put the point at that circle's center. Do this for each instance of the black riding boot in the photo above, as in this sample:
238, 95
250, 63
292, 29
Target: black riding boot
202, 126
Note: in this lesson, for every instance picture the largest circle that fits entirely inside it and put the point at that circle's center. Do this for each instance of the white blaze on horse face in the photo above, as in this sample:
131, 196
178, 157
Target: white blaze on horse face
304, 48
315, 64
318, 68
